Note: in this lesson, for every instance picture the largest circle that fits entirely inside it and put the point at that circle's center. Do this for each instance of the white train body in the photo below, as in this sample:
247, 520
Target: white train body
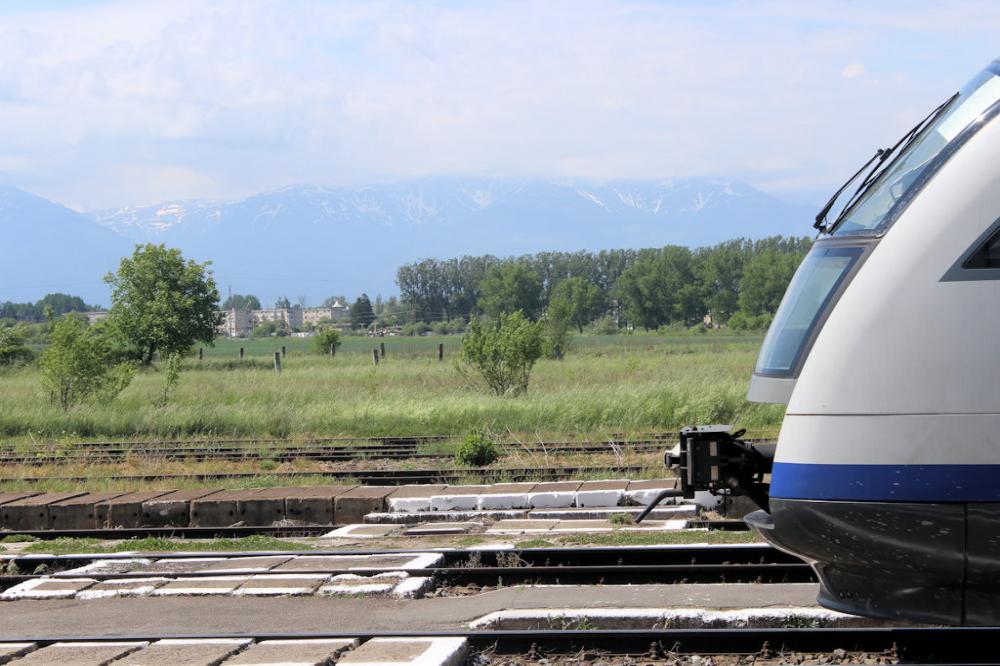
887, 351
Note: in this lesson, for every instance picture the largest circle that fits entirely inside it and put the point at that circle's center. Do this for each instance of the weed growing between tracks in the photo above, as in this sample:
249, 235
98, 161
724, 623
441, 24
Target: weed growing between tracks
609, 384
623, 538
69, 546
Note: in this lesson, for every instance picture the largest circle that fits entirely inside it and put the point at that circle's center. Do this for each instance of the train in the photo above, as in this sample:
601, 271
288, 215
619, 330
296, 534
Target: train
886, 350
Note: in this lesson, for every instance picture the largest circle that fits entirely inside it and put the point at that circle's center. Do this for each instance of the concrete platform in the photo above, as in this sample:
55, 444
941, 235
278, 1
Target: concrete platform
447, 651
201, 586
313, 505
282, 584
677, 512
356, 585
78, 513
172, 509
264, 506
127, 587
31, 513
225, 614
404, 518
462, 498
80, 654
601, 493
292, 652
361, 531
553, 495
239, 565
642, 493
169, 566
104, 567
125, 510
506, 496
352, 506
522, 526
47, 588
190, 652
413, 498
218, 509
9, 496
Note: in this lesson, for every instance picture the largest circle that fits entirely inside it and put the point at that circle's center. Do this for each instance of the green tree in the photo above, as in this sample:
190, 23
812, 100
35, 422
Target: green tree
326, 338
579, 299
556, 323
162, 303
503, 352
242, 302
77, 366
13, 347
508, 288
765, 279
362, 313
661, 289
283, 303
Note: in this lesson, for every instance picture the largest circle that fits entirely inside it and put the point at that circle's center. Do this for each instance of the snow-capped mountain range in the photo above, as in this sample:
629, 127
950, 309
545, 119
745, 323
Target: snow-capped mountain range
315, 241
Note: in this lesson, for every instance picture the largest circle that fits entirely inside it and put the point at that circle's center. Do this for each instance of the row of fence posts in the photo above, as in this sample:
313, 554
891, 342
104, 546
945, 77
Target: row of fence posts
377, 354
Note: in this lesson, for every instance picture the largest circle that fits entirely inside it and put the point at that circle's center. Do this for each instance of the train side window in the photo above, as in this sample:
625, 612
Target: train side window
987, 256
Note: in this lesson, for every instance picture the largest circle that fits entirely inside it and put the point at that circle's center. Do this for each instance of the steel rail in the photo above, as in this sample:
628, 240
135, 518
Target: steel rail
364, 477
927, 645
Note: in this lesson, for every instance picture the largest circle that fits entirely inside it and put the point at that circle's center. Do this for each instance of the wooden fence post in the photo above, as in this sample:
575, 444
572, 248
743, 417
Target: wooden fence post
241, 353
277, 362
333, 350
283, 351
440, 351
375, 356
201, 353
381, 350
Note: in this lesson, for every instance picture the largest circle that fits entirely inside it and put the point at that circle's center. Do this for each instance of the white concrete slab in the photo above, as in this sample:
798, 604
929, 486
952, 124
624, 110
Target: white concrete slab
293, 652
274, 585
200, 586
125, 587
413, 587
47, 588
445, 651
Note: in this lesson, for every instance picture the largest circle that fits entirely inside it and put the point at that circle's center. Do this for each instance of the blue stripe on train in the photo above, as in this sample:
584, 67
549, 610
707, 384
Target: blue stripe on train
887, 483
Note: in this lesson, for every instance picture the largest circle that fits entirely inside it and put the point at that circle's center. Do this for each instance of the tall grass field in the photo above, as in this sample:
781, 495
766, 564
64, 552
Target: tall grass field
606, 384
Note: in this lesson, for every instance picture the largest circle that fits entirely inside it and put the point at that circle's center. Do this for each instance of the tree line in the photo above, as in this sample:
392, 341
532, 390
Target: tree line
738, 282
50, 304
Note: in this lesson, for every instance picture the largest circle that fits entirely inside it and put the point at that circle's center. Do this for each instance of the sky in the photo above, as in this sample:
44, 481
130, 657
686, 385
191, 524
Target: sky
108, 104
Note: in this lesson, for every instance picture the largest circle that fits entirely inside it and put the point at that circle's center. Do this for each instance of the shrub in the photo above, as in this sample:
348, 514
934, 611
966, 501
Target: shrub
13, 348
556, 325
477, 449
606, 325
741, 321
76, 367
503, 353
326, 338
440, 327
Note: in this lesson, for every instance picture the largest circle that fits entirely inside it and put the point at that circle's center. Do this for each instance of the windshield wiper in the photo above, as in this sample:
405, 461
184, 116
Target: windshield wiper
880, 158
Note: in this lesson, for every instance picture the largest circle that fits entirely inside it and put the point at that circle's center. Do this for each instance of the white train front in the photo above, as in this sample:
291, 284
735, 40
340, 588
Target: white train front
886, 349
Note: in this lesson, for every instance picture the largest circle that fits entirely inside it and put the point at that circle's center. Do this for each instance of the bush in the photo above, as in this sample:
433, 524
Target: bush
77, 367
477, 450
440, 327
326, 338
606, 325
741, 321
13, 348
503, 353
417, 328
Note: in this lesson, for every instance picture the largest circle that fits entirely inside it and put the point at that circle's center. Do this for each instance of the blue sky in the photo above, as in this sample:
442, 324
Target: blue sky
121, 103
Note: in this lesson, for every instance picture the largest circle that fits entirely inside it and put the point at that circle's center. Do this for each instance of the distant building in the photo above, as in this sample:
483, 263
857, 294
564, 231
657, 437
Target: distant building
96, 316
236, 323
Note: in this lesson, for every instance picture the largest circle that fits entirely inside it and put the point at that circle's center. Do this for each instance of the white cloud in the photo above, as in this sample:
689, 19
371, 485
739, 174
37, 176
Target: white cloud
853, 70
230, 97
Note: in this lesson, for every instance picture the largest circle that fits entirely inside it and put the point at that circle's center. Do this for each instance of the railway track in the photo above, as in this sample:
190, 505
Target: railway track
390, 477
277, 531
530, 566
894, 645
328, 449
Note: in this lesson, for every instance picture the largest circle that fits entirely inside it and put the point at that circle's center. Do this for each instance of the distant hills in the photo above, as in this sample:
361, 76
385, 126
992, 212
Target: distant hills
315, 241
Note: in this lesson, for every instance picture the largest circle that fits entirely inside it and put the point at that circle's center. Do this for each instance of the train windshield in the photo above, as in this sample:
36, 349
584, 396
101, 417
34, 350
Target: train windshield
814, 285
873, 206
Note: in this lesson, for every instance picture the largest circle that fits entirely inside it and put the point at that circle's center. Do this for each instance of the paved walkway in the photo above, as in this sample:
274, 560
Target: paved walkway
226, 615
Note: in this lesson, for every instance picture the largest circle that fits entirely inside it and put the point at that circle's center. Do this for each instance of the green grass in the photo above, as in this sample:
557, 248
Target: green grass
69, 546
609, 384
18, 538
